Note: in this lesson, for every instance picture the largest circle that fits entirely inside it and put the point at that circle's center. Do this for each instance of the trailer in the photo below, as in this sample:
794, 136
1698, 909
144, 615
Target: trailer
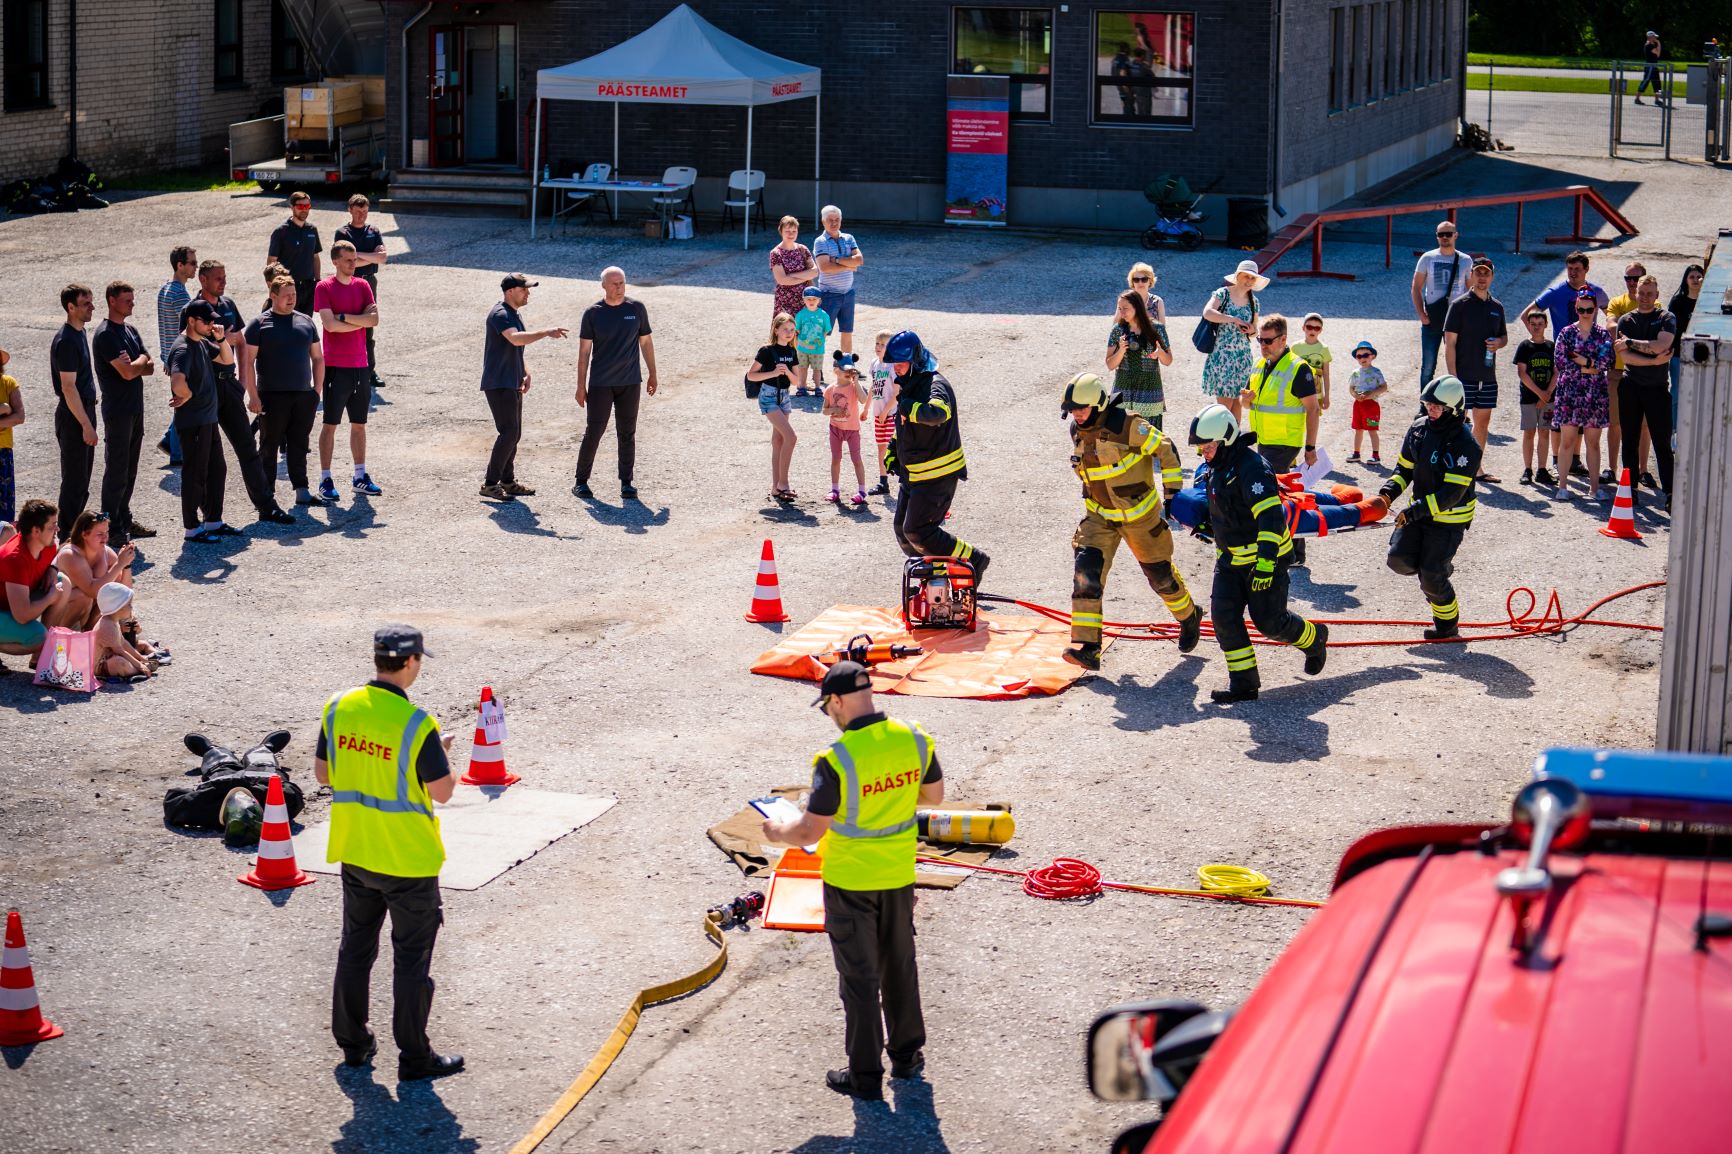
267, 151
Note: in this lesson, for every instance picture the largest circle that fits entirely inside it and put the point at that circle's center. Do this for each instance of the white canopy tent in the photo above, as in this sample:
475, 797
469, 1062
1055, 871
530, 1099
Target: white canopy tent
681, 59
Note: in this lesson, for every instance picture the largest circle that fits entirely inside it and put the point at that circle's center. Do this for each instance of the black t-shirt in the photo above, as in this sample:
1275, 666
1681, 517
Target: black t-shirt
501, 361
1474, 322
614, 330
69, 352
365, 239
296, 247
1537, 356
285, 362
1682, 306
228, 315
772, 355
826, 796
190, 357
120, 397
1647, 326
431, 764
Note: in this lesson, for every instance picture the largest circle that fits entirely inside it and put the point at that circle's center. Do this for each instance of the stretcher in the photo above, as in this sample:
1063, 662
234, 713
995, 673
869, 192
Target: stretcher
1310, 512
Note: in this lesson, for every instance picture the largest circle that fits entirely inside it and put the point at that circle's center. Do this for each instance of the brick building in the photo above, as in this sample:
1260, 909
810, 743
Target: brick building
1332, 96
157, 81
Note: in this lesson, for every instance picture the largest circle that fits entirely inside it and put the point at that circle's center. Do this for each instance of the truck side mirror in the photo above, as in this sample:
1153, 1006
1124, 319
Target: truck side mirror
1147, 1051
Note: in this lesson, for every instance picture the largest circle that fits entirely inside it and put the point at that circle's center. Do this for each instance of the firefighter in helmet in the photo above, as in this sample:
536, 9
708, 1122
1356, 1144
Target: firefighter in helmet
927, 454
1118, 454
1253, 549
1439, 458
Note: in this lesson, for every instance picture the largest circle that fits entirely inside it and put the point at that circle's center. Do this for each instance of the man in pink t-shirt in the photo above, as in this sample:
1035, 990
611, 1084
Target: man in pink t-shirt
344, 304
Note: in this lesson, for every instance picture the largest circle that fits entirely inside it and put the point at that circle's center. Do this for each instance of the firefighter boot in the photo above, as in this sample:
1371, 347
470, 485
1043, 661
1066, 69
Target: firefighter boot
1240, 687
980, 561
1444, 631
1084, 653
1191, 630
1317, 652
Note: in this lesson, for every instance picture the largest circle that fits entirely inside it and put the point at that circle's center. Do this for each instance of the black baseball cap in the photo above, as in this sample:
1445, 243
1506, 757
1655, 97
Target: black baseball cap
201, 310
843, 677
1484, 262
516, 280
399, 641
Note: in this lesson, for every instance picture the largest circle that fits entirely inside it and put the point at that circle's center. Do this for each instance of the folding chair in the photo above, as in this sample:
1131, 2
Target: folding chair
745, 182
591, 201
687, 179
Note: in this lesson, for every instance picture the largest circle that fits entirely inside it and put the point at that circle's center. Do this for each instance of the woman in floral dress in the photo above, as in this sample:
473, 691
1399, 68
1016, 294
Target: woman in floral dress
1579, 403
1137, 347
1233, 308
792, 265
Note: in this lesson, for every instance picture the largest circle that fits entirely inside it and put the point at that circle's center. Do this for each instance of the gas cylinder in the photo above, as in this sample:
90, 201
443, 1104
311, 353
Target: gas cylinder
973, 827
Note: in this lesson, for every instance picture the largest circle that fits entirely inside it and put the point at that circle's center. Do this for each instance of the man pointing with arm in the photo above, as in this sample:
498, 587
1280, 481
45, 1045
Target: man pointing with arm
865, 789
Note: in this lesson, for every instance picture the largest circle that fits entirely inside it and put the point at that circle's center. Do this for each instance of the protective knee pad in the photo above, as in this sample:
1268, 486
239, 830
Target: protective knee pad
1161, 576
1402, 565
1434, 583
1087, 580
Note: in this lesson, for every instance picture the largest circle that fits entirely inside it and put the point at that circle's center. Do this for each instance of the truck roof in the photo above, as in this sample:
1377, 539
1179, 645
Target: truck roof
1401, 1019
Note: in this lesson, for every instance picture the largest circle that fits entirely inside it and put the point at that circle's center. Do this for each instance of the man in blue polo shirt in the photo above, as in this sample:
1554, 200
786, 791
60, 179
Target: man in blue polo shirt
838, 255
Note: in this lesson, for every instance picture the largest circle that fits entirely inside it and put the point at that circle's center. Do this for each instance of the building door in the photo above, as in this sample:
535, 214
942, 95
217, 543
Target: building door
490, 131
446, 75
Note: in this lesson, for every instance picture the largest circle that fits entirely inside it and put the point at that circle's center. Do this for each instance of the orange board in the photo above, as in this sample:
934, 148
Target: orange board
1007, 655
796, 898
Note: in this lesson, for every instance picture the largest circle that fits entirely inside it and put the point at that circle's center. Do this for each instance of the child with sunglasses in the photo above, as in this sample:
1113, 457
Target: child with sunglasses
1366, 384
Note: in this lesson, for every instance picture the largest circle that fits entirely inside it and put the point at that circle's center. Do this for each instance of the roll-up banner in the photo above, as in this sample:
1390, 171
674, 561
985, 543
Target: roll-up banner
977, 131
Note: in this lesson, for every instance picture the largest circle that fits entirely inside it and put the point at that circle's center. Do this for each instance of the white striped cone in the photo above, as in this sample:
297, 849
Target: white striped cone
767, 596
275, 868
21, 1020
1622, 523
487, 755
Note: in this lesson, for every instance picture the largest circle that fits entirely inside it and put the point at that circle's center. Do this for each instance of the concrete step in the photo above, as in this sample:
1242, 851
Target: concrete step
459, 178
457, 198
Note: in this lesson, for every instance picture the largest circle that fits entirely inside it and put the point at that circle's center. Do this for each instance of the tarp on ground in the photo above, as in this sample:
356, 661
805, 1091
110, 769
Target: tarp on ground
1007, 655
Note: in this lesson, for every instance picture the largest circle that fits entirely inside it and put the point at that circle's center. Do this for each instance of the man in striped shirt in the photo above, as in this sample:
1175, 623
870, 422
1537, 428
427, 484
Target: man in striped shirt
170, 299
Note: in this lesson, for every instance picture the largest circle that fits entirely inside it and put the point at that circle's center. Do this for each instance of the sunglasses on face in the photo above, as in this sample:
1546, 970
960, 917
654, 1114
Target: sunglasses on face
1589, 311
1362, 356
1267, 340
1313, 328
1637, 277
1446, 236
1141, 279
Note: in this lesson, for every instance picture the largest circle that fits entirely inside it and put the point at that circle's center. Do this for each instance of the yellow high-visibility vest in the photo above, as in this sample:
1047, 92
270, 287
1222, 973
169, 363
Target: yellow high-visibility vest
381, 815
871, 843
1277, 417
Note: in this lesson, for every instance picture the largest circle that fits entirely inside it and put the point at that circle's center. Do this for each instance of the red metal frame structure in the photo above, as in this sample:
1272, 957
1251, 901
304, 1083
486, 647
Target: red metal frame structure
1312, 223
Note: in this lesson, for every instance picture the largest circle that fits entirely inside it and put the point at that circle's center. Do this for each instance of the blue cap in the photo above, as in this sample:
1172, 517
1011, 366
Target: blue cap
1365, 346
399, 641
813, 290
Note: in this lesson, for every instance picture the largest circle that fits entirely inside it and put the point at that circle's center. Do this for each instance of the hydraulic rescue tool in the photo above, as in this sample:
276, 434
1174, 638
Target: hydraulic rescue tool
862, 649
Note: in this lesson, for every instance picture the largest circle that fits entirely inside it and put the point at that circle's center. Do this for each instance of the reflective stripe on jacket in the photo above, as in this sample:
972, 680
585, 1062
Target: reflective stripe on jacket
1115, 457
381, 815
871, 843
1277, 417
928, 437
1440, 459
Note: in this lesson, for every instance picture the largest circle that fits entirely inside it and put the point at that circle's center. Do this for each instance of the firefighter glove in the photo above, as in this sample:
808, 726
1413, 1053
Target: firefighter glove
1265, 576
1411, 515
890, 457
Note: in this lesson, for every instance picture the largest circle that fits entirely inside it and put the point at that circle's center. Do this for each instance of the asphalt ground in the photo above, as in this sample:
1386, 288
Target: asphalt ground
1578, 124
196, 1010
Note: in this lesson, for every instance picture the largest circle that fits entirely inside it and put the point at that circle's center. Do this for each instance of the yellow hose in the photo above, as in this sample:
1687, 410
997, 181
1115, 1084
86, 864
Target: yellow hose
1235, 880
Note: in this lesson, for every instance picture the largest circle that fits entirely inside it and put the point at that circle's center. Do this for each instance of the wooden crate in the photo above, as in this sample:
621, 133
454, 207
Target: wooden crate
315, 110
372, 94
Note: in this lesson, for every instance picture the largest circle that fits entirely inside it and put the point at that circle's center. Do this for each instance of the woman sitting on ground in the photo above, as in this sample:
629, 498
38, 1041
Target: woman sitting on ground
89, 564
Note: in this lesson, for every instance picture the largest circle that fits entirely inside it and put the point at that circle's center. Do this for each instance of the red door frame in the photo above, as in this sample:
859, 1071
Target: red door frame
437, 85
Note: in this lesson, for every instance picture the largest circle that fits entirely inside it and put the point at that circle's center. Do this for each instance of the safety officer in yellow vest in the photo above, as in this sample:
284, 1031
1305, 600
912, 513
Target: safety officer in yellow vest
1282, 400
1115, 452
385, 762
865, 789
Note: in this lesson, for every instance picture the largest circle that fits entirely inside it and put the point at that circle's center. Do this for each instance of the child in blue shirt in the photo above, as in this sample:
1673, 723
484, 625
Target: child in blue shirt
812, 328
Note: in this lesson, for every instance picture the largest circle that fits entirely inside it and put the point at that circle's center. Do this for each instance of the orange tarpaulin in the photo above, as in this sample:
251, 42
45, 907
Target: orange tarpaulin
1007, 655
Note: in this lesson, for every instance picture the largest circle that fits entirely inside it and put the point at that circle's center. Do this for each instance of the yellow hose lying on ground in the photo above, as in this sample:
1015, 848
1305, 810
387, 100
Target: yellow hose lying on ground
616, 1041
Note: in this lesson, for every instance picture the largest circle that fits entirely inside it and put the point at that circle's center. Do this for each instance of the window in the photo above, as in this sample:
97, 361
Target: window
1389, 49
1440, 40
288, 59
1409, 33
1013, 42
26, 61
228, 44
1351, 51
1337, 73
1144, 67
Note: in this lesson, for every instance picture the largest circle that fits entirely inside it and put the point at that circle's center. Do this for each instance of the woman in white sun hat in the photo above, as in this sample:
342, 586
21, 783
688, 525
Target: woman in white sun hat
1233, 309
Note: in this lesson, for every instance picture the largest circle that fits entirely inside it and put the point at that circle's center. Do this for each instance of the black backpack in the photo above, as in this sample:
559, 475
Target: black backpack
220, 770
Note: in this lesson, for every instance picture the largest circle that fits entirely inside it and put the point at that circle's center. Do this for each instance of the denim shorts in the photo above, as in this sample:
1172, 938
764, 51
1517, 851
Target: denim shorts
772, 399
840, 306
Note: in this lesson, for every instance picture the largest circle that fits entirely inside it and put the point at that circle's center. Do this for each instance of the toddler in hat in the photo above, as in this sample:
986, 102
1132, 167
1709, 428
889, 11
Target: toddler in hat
115, 656
812, 327
1366, 384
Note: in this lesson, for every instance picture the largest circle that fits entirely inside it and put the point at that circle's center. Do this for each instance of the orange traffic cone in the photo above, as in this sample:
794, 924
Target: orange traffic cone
1622, 524
487, 755
275, 868
21, 1020
767, 597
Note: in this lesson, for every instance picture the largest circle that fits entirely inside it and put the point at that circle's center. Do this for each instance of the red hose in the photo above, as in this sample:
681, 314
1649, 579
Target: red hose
1551, 622
1066, 879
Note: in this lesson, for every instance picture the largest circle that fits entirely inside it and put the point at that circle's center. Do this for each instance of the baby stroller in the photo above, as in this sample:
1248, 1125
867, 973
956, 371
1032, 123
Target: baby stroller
1176, 206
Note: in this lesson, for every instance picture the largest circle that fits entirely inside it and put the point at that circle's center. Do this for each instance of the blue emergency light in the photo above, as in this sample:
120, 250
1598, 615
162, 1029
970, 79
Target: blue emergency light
1688, 787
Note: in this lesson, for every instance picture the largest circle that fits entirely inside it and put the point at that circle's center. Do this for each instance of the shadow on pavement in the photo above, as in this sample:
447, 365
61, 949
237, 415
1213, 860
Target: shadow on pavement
516, 517
632, 516
1501, 678
416, 1121
1322, 595
903, 1125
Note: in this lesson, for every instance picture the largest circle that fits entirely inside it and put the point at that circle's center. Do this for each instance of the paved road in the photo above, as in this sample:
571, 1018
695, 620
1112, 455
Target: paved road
1571, 124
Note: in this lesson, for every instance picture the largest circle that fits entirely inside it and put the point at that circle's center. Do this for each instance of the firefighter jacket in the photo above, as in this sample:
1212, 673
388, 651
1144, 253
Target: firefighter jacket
1246, 516
1440, 460
1116, 455
928, 439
